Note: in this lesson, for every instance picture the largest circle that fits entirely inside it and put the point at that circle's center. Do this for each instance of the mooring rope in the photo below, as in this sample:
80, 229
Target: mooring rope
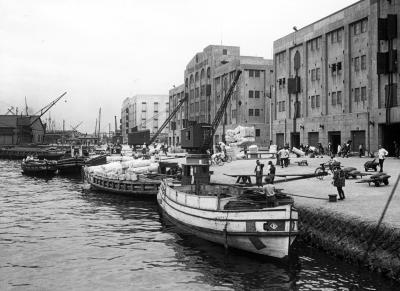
381, 218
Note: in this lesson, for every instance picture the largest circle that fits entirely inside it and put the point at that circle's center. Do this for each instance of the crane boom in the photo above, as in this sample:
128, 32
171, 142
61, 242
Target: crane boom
172, 114
221, 110
47, 108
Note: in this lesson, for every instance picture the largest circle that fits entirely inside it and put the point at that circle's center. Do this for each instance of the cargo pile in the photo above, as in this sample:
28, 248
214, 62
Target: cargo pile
240, 135
127, 170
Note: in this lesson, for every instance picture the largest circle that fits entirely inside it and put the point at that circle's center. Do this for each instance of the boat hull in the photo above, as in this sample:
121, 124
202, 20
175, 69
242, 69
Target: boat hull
268, 231
33, 169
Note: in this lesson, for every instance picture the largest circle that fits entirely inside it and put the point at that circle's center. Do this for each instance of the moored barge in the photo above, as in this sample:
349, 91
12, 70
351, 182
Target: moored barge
36, 167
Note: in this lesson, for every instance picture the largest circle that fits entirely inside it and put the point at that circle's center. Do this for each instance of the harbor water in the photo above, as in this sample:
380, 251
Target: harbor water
54, 236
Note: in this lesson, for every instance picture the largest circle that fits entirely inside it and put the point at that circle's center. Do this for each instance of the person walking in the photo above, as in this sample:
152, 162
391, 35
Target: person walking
339, 181
259, 173
361, 150
382, 153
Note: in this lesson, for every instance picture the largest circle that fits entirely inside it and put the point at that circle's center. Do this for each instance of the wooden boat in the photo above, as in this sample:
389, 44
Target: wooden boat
222, 214
38, 167
71, 165
142, 187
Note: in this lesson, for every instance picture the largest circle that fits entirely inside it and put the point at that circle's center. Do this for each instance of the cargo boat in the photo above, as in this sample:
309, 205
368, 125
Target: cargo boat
222, 214
36, 167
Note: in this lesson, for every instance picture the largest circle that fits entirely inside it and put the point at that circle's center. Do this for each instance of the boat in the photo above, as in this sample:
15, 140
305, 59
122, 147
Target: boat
71, 165
222, 214
135, 184
36, 167
20, 152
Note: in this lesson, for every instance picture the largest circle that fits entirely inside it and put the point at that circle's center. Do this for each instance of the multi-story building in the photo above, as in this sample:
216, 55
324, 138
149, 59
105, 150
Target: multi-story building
208, 76
175, 95
142, 112
336, 79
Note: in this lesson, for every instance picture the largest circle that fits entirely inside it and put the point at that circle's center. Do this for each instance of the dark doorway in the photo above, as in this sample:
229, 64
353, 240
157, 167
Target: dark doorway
295, 139
357, 138
334, 139
280, 140
313, 139
390, 133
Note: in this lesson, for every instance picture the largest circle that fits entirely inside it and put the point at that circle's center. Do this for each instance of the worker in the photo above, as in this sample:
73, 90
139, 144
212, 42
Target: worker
339, 180
269, 191
144, 147
259, 173
271, 175
382, 153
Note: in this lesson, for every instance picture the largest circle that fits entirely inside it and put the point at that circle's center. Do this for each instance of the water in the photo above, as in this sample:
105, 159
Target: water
53, 236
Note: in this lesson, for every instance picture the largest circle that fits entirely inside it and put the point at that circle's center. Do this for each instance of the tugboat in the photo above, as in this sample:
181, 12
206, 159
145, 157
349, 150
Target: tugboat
35, 167
225, 214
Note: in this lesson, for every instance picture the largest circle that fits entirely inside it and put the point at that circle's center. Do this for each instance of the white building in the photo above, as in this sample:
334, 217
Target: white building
143, 112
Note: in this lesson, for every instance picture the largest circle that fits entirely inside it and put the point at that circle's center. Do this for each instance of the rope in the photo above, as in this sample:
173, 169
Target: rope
381, 218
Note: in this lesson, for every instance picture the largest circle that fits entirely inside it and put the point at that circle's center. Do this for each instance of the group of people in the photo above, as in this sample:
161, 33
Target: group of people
282, 156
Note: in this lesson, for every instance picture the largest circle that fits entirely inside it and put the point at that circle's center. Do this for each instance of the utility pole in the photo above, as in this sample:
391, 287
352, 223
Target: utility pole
99, 122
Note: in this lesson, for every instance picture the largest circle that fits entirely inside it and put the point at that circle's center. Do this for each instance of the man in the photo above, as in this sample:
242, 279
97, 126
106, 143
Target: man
339, 181
381, 155
361, 150
285, 157
269, 191
259, 173
271, 175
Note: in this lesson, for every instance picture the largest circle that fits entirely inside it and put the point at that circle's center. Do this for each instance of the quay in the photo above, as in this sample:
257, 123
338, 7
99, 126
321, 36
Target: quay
344, 228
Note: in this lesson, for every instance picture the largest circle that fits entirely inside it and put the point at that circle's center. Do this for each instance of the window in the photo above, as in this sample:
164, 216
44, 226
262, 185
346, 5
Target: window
363, 93
356, 64
283, 82
251, 73
257, 73
155, 107
339, 97
318, 74
333, 96
313, 75
224, 51
312, 101
196, 92
257, 94
281, 57
251, 112
363, 62
356, 94
258, 132
197, 107
334, 37
333, 69
357, 28
339, 67
283, 105
256, 112
233, 114
251, 94
144, 106
203, 105
364, 25
317, 99
317, 41
312, 44
339, 35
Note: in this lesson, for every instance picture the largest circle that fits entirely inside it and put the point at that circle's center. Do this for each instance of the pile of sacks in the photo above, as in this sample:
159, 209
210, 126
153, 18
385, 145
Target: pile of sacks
127, 170
240, 135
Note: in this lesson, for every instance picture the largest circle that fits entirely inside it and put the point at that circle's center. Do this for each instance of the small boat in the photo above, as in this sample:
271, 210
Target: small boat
36, 167
71, 165
224, 214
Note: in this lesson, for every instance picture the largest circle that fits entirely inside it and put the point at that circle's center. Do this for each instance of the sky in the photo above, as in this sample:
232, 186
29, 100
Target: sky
103, 51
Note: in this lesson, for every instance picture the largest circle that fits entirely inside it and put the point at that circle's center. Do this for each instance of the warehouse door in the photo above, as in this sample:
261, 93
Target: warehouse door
357, 138
334, 139
390, 134
295, 139
280, 140
313, 139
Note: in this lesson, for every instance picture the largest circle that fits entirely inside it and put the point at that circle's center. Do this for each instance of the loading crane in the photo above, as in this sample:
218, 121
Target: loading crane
143, 136
198, 137
46, 108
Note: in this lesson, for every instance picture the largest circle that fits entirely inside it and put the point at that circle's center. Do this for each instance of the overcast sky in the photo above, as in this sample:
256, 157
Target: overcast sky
102, 51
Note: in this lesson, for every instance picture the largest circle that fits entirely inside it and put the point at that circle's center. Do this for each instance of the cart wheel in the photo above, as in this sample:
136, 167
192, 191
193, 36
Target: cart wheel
319, 173
386, 182
377, 184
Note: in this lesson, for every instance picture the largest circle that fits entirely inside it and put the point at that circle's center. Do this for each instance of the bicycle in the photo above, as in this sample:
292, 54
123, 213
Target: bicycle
321, 171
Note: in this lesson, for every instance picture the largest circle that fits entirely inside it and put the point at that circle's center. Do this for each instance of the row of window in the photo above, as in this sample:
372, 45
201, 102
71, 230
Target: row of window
254, 112
315, 74
336, 36
281, 106
315, 101
360, 62
360, 94
254, 94
254, 73
336, 98
360, 26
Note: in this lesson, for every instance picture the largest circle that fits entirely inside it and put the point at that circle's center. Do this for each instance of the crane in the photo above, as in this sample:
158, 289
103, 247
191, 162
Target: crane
198, 138
46, 108
74, 128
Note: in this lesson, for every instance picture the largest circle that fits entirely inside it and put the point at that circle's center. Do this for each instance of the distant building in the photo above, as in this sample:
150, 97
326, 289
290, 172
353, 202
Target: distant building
335, 81
208, 76
17, 129
176, 124
143, 112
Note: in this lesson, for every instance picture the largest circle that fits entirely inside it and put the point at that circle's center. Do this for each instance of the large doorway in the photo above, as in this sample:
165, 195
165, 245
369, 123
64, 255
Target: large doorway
357, 138
390, 133
334, 139
313, 139
280, 140
295, 139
